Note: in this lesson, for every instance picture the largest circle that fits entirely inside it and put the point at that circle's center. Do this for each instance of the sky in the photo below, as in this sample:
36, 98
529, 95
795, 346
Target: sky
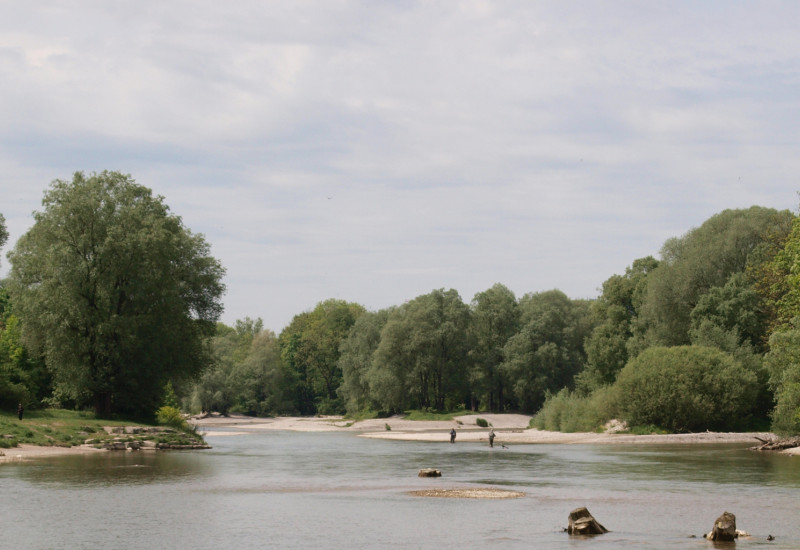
375, 151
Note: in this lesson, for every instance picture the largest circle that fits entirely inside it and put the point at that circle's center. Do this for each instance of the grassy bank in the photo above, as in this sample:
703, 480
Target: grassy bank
63, 428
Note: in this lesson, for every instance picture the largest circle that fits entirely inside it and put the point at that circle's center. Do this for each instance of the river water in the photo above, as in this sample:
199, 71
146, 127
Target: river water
336, 490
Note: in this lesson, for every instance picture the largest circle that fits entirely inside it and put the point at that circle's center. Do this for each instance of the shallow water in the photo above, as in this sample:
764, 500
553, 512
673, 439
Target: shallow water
332, 490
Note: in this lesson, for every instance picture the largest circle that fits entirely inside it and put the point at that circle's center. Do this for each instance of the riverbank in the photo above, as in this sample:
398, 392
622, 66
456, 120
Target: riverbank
508, 428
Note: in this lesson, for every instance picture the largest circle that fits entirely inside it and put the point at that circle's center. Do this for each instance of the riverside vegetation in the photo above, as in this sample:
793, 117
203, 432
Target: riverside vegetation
112, 305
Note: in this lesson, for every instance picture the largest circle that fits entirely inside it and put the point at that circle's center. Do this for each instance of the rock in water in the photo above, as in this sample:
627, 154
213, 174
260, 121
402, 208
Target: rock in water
581, 522
724, 528
430, 472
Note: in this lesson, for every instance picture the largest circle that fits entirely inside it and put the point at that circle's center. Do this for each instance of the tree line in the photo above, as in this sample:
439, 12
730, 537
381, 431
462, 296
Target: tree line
110, 298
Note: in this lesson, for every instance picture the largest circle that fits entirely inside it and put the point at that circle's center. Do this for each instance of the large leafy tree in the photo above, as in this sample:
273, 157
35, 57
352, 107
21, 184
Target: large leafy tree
115, 291
615, 311
310, 348
357, 351
706, 257
421, 360
547, 353
495, 319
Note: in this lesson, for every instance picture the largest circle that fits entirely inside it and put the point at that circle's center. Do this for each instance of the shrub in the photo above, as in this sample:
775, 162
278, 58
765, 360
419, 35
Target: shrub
686, 388
170, 416
482, 422
568, 411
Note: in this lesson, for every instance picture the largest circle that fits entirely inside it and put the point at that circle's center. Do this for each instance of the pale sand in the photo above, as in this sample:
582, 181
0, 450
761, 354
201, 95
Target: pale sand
508, 428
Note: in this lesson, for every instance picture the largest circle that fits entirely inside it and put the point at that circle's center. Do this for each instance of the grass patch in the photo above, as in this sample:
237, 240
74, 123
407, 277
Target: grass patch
431, 415
648, 429
58, 427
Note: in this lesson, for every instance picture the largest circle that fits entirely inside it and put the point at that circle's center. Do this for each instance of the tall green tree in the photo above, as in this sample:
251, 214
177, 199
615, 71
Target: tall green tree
547, 353
357, 351
422, 359
115, 291
615, 312
706, 257
310, 347
495, 319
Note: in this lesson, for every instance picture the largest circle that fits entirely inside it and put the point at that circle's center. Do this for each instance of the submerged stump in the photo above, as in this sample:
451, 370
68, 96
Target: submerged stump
581, 522
724, 528
430, 472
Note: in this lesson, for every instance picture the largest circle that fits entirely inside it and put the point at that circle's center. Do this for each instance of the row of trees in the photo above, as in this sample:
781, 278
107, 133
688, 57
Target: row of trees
728, 286
110, 298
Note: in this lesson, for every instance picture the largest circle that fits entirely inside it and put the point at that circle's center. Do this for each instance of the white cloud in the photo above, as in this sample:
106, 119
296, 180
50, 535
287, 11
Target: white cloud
375, 151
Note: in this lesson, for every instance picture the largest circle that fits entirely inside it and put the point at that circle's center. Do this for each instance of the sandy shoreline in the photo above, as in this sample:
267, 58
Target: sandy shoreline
510, 429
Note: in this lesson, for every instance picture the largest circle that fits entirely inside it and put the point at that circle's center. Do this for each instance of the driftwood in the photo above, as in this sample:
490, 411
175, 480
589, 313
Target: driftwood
724, 528
581, 522
777, 444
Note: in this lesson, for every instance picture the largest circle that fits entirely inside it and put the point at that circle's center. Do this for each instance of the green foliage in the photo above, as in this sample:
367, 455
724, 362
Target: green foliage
548, 351
431, 415
116, 293
495, 319
247, 375
355, 361
615, 312
23, 378
422, 359
686, 388
482, 422
3, 231
568, 411
171, 416
706, 257
783, 365
310, 349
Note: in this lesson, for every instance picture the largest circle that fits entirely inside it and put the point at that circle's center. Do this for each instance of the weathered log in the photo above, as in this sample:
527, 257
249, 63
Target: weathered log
724, 528
581, 522
430, 472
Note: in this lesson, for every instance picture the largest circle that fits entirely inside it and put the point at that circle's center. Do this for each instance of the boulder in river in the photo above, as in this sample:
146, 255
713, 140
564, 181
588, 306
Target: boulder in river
581, 522
430, 472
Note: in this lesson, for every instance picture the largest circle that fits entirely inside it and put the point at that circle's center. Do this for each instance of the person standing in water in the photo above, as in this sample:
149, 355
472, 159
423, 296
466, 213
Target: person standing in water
452, 435
491, 437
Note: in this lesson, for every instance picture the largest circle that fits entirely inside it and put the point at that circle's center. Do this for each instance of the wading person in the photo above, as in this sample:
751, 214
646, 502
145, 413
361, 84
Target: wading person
452, 435
491, 437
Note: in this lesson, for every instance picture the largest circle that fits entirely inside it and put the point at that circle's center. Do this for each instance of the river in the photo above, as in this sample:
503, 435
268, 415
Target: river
336, 490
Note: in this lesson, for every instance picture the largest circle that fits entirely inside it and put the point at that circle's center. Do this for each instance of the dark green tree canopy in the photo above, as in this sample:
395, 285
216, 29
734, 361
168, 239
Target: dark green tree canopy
115, 291
704, 258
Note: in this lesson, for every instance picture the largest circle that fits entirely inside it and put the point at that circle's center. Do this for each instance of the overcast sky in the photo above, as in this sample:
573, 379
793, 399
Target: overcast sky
375, 151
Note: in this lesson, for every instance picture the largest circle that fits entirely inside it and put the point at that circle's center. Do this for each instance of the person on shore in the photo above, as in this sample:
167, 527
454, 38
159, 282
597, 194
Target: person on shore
20, 410
491, 437
452, 435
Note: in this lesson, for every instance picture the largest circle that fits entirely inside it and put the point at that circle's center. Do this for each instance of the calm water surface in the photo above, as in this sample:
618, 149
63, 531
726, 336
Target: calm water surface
332, 490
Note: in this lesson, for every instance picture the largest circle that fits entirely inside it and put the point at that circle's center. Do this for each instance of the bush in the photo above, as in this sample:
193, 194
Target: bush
170, 416
686, 388
568, 411
482, 422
